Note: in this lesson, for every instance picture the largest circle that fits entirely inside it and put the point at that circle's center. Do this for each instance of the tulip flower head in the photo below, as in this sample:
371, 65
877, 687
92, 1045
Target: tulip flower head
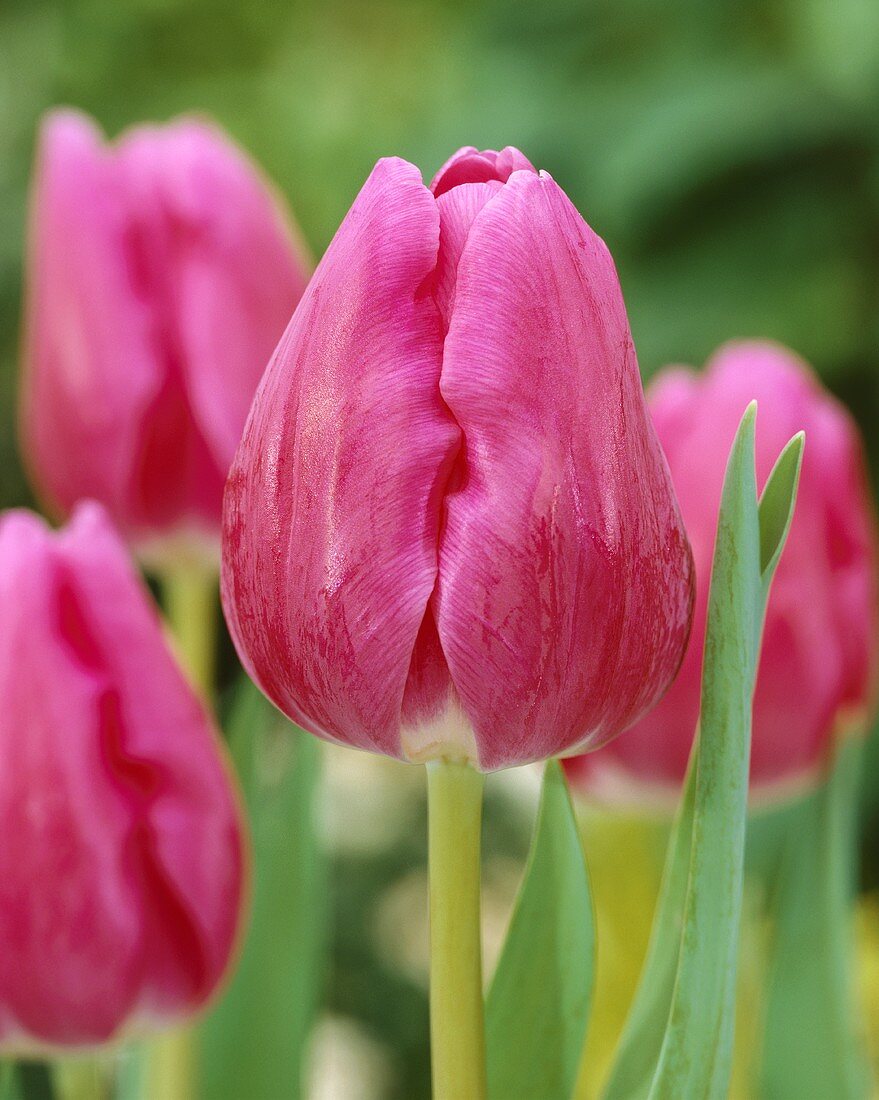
121, 866
161, 274
449, 530
817, 673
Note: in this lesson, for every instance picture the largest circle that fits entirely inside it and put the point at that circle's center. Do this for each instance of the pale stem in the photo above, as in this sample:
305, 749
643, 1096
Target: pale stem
81, 1078
457, 1035
190, 598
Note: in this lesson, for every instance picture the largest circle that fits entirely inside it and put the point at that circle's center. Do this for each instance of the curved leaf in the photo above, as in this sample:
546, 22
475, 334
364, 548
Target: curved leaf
678, 1041
641, 1040
776, 508
696, 1057
539, 1000
253, 1043
812, 1044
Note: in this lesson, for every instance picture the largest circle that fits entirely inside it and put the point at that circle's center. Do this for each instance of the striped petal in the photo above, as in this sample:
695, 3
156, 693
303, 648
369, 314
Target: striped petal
333, 503
562, 604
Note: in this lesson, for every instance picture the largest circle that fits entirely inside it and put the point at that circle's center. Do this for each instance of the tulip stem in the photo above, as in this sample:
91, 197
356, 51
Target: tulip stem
84, 1078
190, 594
171, 1067
457, 1030
191, 609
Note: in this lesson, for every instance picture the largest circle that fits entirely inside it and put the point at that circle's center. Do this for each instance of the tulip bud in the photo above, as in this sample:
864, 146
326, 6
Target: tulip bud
161, 274
817, 672
449, 530
121, 863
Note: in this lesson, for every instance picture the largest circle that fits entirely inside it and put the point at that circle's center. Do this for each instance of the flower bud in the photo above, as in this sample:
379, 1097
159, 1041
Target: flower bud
121, 866
449, 529
161, 274
817, 671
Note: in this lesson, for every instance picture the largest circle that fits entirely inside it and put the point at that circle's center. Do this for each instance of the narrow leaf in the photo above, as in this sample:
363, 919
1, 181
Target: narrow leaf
539, 1000
776, 508
678, 1039
812, 1044
641, 1041
696, 1056
253, 1042
35, 1081
10, 1086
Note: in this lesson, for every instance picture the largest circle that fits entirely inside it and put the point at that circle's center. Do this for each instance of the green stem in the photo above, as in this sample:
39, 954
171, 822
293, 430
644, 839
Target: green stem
171, 1069
190, 592
191, 610
80, 1079
9, 1089
457, 1028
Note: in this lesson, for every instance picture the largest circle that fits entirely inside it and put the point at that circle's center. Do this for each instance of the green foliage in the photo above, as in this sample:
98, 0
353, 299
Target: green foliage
728, 153
686, 1014
253, 1043
641, 1042
538, 1004
10, 1086
34, 1082
809, 1055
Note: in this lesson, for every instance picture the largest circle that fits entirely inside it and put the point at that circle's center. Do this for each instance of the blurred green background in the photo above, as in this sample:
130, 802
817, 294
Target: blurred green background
728, 152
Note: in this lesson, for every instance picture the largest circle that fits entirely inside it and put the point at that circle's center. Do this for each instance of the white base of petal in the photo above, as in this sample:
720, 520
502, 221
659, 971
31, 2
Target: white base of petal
449, 736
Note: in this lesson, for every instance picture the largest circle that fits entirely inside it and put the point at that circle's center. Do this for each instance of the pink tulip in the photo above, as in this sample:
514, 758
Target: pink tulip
121, 862
161, 274
817, 673
449, 529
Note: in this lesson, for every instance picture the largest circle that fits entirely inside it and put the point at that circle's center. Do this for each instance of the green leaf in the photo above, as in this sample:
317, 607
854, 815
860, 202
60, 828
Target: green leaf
696, 1056
539, 1000
812, 1043
10, 1086
641, 1041
678, 1040
776, 507
35, 1081
253, 1043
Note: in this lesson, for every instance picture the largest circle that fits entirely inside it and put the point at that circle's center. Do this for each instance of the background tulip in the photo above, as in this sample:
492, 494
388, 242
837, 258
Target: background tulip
161, 274
449, 529
818, 665
121, 867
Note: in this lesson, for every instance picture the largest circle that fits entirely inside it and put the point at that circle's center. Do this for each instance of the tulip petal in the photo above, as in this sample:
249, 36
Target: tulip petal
120, 898
819, 653
68, 927
332, 507
224, 233
79, 317
192, 827
458, 209
562, 600
161, 275
470, 165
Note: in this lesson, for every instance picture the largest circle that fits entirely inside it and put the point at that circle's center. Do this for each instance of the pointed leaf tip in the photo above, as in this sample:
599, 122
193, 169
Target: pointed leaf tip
776, 507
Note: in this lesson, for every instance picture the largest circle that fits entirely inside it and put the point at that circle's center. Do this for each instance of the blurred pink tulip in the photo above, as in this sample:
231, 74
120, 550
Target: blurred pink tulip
817, 672
121, 866
161, 274
449, 529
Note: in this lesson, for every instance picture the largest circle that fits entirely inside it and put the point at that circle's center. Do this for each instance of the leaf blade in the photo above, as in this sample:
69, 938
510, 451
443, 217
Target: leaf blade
539, 999
641, 1041
696, 1056
254, 1040
692, 1010
810, 1054
776, 507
